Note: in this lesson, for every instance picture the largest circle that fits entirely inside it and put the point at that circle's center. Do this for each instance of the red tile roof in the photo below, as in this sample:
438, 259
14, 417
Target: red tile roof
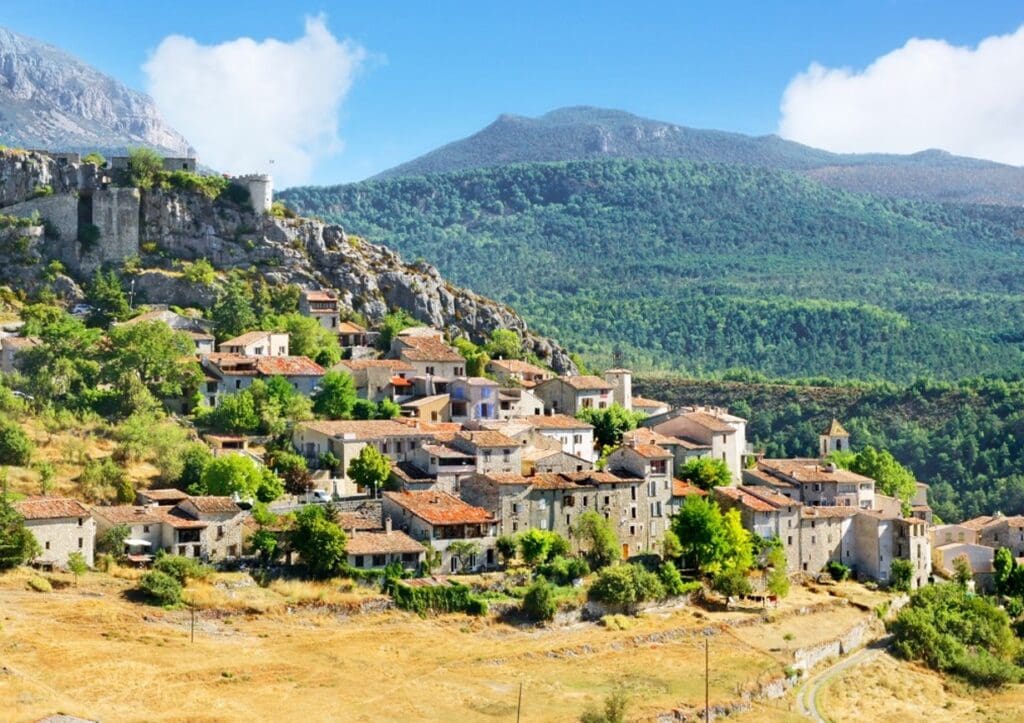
439, 508
646, 403
682, 488
587, 383
834, 512
517, 366
288, 366
810, 470
648, 451
51, 508
709, 422
347, 327
319, 295
355, 365
487, 439
427, 348
556, 421
362, 429
210, 504
168, 494
250, 337
382, 543
130, 514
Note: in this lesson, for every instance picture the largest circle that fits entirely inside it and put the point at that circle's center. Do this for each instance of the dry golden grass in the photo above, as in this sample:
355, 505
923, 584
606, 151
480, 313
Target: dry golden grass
889, 689
92, 652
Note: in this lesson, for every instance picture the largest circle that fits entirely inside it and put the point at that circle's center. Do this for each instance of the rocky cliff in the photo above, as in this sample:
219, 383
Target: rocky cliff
50, 99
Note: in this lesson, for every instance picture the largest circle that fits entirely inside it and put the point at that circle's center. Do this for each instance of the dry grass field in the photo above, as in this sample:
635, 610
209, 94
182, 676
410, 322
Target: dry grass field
886, 689
92, 652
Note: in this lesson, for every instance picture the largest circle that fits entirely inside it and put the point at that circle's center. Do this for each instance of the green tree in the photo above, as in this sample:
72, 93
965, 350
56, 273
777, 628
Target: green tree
1003, 566
232, 312
706, 472
536, 546
107, 298
155, 353
901, 574
95, 158
890, 476
105, 481
236, 413
612, 711
111, 541
239, 474
319, 541
77, 565
539, 602
626, 585
464, 551
336, 396
15, 446
597, 539
507, 546
732, 582
144, 167
386, 409
610, 423
46, 471
370, 469
777, 579
391, 325
307, 337
671, 547
962, 573
160, 588
504, 344
17, 544
292, 468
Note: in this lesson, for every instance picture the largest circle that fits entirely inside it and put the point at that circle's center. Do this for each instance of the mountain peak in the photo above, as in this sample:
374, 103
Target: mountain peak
51, 99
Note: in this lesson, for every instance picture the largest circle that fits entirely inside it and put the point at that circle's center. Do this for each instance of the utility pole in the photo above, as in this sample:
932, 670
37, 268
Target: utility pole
707, 704
519, 705
192, 634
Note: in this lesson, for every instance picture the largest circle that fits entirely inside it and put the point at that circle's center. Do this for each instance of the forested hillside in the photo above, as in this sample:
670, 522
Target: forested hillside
703, 267
965, 439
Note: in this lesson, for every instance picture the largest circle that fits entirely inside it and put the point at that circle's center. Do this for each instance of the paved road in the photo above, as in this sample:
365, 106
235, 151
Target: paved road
807, 694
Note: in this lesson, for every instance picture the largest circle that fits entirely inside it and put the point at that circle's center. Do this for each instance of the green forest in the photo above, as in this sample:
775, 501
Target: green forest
966, 438
702, 268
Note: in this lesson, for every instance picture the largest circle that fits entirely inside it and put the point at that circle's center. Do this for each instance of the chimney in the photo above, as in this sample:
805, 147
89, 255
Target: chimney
387, 524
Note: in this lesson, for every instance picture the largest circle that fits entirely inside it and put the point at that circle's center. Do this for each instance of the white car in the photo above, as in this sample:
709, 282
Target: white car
81, 309
320, 496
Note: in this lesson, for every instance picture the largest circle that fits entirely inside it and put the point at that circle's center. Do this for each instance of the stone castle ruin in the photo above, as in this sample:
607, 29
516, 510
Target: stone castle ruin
91, 216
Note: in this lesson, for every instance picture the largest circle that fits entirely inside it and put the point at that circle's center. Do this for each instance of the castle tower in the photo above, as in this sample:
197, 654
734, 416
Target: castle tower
833, 438
621, 381
261, 190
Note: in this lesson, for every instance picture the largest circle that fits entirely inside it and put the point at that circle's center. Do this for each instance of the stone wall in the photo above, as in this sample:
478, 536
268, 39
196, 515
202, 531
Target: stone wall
60, 210
116, 212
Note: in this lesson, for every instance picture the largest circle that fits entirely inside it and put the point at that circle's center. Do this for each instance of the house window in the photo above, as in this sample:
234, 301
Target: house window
358, 560
460, 372
515, 526
430, 371
379, 560
81, 543
585, 500
47, 545
454, 563
507, 454
80, 521
607, 500
812, 539
238, 384
632, 512
568, 521
516, 508
543, 524
789, 540
577, 439
220, 532
632, 530
487, 456
145, 528
632, 492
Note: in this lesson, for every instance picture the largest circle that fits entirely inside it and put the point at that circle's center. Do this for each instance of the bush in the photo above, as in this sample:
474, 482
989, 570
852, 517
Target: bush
182, 568
563, 570
539, 601
671, 579
15, 446
160, 588
89, 235
732, 583
450, 598
39, 584
901, 575
626, 585
983, 668
837, 570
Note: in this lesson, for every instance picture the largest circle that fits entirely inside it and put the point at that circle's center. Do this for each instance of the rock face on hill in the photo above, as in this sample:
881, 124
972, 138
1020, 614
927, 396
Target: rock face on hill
175, 226
50, 99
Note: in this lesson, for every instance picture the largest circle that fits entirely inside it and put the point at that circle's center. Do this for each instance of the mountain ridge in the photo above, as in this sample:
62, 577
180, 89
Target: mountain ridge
592, 133
51, 99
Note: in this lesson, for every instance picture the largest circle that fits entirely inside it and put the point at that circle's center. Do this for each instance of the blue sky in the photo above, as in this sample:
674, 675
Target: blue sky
434, 72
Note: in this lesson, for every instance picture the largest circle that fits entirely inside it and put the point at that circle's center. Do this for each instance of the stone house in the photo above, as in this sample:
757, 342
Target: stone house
440, 519
427, 352
767, 515
61, 526
543, 501
575, 437
473, 399
650, 407
434, 465
160, 497
228, 373
814, 482
207, 528
681, 489
377, 379
517, 372
919, 505
256, 343
879, 539
435, 408
834, 438
724, 433
654, 465
374, 549
547, 461
492, 451
519, 402
352, 335
621, 382
953, 534
682, 450
979, 557
826, 535
1003, 531
570, 395
323, 306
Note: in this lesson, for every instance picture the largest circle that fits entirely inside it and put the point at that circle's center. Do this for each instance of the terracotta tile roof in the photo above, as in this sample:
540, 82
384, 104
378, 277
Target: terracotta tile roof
250, 337
348, 327
759, 499
425, 401
382, 543
682, 488
807, 471
51, 508
361, 429
180, 520
397, 381
505, 478
427, 348
445, 452
554, 481
409, 473
487, 439
433, 428
320, 295
643, 435
648, 451
835, 429
235, 365
211, 504
587, 383
364, 517
130, 514
478, 382
167, 495
439, 508
535, 454
396, 365
829, 512
644, 402
556, 421
593, 477
517, 366
288, 366
708, 421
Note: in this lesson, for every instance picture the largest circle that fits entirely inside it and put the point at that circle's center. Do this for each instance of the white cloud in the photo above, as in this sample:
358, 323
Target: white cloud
244, 102
927, 94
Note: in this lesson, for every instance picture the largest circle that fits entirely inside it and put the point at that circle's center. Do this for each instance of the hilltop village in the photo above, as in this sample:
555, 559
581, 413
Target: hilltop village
302, 405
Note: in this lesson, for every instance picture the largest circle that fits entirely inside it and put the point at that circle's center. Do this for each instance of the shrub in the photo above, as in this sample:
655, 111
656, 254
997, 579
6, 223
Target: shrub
626, 585
39, 584
732, 583
15, 446
612, 711
41, 191
539, 601
199, 271
450, 598
901, 574
476, 606
182, 568
983, 668
160, 588
563, 570
671, 579
507, 545
837, 570
89, 235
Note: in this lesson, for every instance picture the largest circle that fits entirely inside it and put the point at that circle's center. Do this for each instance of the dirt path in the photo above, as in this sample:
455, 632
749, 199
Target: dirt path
807, 695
